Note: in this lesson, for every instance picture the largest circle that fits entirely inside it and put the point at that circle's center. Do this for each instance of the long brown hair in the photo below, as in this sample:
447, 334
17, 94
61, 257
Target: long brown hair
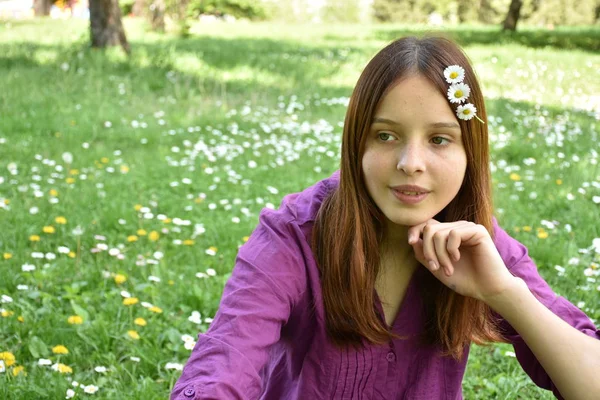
348, 229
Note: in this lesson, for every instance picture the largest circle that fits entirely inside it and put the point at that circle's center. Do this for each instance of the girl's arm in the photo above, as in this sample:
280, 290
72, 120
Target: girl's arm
570, 357
266, 283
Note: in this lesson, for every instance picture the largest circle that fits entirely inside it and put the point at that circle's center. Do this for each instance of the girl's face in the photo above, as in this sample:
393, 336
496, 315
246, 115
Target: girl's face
414, 139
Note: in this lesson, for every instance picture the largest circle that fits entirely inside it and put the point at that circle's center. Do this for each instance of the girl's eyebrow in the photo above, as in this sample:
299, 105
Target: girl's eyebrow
451, 125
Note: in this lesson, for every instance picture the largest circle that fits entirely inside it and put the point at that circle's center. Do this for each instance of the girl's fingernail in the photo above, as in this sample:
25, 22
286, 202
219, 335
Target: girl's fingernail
433, 265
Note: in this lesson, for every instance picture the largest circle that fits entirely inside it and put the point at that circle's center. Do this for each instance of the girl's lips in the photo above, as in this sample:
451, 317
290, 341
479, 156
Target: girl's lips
409, 198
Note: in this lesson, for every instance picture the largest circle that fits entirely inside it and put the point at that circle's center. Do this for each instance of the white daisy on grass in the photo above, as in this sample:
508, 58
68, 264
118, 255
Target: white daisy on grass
466, 112
458, 92
90, 389
454, 74
175, 366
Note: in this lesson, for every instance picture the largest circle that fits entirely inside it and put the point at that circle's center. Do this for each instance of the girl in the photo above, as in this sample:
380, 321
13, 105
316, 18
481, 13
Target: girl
372, 284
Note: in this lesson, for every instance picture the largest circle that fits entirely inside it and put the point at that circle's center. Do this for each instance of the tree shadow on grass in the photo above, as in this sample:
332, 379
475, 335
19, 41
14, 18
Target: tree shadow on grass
585, 39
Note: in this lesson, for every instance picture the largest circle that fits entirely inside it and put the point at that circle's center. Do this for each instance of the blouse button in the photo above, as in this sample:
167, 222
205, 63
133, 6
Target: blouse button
391, 357
189, 393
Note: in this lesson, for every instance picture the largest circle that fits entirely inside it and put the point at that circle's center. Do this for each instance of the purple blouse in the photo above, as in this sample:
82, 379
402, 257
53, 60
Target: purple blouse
268, 340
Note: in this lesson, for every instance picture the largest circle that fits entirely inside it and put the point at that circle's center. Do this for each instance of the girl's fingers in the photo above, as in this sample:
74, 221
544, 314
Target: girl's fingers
440, 239
453, 244
429, 252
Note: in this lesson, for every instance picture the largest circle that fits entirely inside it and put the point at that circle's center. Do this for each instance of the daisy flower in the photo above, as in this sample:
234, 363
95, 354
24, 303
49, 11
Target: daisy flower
458, 92
466, 112
454, 74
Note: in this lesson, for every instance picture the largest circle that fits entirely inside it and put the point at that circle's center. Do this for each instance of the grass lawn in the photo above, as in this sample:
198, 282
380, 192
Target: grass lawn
127, 185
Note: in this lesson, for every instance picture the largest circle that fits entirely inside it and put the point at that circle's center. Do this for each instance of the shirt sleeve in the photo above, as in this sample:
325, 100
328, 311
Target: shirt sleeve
516, 258
267, 280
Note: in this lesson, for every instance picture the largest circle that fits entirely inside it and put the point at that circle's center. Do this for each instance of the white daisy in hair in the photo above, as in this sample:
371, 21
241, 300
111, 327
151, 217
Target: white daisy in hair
466, 111
454, 74
458, 92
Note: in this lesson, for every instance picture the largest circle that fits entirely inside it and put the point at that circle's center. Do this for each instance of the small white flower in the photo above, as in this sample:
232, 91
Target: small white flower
70, 394
211, 272
75, 384
100, 369
6, 299
90, 389
67, 157
135, 359
189, 345
43, 361
187, 338
176, 366
145, 304
195, 317
454, 74
466, 112
458, 92
154, 278
2, 367
27, 267
125, 294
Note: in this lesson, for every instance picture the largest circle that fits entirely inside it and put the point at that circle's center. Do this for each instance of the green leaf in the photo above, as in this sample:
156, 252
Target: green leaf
38, 348
78, 310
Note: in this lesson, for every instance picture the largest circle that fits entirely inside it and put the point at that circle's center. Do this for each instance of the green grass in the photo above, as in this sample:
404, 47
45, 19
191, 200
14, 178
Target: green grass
147, 130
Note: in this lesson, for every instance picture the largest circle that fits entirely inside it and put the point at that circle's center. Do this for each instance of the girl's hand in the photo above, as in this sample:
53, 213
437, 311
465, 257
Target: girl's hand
462, 256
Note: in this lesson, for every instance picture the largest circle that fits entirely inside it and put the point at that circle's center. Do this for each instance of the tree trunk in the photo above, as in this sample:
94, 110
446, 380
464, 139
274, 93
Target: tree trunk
105, 24
485, 13
462, 10
41, 8
157, 15
139, 8
512, 17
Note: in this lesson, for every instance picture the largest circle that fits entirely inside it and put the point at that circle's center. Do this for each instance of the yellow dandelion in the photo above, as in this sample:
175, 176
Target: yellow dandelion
20, 318
64, 369
105, 160
140, 322
124, 169
153, 236
70, 180
75, 320
171, 282
245, 238
34, 238
53, 192
7, 256
6, 313
542, 234
141, 232
60, 349
155, 309
60, 220
72, 254
137, 207
8, 358
129, 301
188, 242
515, 177
134, 335
19, 370
74, 172
526, 228
132, 238
167, 221
48, 229
119, 278
559, 182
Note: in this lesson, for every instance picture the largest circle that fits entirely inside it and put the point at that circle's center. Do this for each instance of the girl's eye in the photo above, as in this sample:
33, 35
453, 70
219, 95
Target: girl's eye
384, 136
439, 140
